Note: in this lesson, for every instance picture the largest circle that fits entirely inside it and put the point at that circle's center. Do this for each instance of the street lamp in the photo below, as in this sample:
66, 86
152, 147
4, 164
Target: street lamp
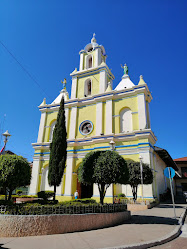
6, 136
141, 173
112, 145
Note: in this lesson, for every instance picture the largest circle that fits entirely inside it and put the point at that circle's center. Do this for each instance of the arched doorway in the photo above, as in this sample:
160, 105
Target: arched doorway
85, 191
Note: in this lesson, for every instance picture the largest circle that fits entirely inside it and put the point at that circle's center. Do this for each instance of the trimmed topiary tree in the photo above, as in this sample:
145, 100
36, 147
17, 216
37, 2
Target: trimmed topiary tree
103, 168
135, 176
15, 172
58, 150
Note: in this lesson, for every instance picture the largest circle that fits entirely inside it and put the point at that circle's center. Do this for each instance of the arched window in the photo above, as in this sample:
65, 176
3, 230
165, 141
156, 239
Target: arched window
51, 131
126, 120
89, 61
88, 88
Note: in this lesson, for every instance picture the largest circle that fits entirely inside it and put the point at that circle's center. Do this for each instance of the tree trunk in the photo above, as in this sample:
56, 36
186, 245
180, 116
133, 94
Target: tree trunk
102, 192
9, 194
5, 194
54, 193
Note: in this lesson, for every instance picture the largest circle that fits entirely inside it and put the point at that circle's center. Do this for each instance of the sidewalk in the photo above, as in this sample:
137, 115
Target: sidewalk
149, 225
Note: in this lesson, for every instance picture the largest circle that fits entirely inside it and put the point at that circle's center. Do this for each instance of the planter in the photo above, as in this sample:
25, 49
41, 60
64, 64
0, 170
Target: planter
34, 225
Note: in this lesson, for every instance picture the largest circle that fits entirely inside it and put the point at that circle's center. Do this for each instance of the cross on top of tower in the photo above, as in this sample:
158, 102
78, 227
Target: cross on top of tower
93, 40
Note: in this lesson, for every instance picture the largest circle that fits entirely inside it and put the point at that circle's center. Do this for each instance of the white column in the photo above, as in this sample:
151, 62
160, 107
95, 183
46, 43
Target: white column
103, 81
148, 115
109, 192
41, 128
97, 57
74, 88
142, 111
67, 117
147, 189
108, 125
69, 175
34, 179
96, 190
81, 62
73, 122
99, 118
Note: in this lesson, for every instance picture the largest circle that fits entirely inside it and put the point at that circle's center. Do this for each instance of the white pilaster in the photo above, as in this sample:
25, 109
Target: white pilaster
108, 125
81, 62
95, 190
41, 128
73, 122
69, 175
97, 57
110, 191
142, 111
147, 189
74, 88
34, 179
103, 81
148, 115
99, 118
67, 117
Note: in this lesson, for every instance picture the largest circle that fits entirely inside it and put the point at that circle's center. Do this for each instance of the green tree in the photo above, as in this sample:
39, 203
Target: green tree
135, 176
15, 172
58, 150
103, 168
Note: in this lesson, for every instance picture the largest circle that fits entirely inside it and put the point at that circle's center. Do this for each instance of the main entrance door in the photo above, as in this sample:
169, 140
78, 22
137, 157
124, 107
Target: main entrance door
85, 191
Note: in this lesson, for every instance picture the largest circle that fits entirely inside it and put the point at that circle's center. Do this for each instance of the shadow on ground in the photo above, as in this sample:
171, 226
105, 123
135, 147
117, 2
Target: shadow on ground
168, 205
142, 219
3, 247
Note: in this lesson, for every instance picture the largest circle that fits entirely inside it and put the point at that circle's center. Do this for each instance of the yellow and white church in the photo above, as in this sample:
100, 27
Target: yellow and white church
98, 117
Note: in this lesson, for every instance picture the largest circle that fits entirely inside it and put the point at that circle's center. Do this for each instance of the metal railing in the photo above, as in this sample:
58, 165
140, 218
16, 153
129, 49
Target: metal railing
61, 209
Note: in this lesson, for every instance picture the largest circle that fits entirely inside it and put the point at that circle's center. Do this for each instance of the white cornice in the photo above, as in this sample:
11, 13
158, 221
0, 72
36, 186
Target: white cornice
125, 93
128, 136
87, 72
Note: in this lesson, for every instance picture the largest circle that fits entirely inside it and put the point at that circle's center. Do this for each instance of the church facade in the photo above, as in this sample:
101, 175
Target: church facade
98, 116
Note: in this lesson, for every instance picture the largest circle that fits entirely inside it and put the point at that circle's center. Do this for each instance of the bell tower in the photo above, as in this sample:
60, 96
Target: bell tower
94, 75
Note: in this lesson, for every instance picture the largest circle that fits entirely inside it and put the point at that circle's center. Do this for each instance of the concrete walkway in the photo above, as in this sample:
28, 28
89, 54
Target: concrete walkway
149, 225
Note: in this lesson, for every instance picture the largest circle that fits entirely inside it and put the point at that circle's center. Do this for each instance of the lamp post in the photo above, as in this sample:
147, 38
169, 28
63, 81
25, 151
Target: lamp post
112, 145
141, 173
6, 136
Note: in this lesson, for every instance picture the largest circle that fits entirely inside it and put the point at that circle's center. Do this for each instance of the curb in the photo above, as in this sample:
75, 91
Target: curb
174, 234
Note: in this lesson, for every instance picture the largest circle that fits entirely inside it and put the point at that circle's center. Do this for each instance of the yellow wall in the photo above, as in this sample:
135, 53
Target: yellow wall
81, 83
119, 105
86, 113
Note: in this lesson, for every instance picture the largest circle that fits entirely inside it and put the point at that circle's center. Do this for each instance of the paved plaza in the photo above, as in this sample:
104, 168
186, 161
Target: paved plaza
149, 225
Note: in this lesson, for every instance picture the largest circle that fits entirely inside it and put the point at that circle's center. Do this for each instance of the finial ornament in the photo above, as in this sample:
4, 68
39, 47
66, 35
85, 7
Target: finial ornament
93, 40
141, 76
64, 83
125, 68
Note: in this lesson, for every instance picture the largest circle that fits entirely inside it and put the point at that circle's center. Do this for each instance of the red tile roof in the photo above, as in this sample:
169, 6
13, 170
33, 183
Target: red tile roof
180, 159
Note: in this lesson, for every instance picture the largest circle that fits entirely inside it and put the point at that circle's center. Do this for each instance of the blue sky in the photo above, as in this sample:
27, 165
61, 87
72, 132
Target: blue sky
46, 37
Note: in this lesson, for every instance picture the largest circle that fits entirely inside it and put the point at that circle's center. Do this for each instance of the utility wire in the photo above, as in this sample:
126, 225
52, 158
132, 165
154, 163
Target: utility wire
24, 69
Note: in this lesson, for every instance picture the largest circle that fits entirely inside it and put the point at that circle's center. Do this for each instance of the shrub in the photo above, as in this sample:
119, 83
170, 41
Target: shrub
121, 195
19, 192
45, 195
79, 201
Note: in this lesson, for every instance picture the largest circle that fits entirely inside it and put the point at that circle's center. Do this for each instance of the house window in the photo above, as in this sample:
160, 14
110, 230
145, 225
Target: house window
126, 120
